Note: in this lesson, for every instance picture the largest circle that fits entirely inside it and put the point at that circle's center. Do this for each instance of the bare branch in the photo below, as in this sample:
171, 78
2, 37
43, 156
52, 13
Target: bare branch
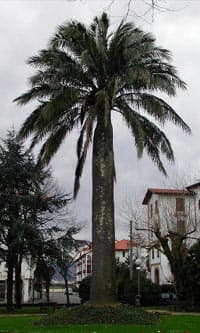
128, 10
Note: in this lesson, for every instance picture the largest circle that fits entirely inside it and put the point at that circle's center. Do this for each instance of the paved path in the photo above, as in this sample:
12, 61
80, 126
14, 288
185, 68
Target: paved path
3, 315
60, 298
174, 312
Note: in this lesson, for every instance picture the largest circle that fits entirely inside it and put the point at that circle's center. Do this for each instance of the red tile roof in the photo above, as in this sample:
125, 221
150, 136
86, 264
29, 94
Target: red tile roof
162, 191
122, 245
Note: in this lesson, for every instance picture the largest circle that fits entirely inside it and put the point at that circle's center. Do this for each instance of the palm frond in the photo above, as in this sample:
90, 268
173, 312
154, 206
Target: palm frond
59, 66
87, 69
28, 126
148, 137
52, 144
76, 38
82, 151
60, 109
164, 78
156, 107
133, 122
38, 92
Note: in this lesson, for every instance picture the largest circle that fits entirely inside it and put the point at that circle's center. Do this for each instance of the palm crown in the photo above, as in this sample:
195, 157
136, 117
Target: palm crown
85, 68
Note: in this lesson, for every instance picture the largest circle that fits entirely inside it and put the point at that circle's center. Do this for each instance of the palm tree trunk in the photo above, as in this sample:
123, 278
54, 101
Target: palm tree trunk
103, 233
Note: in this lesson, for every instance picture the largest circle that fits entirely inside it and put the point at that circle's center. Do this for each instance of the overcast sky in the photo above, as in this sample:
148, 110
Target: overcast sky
26, 26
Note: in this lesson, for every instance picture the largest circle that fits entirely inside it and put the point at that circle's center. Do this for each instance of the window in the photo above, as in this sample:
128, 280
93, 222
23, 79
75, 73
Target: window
152, 253
2, 290
158, 253
151, 210
123, 254
89, 269
180, 205
156, 206
199, 204
89, 259
156, 276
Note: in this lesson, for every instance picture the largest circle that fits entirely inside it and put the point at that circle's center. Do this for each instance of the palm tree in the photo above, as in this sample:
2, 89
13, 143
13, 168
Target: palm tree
83, 75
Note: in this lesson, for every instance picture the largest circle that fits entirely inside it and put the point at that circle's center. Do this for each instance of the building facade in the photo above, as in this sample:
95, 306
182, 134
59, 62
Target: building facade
170, 211
27, 282
83, 259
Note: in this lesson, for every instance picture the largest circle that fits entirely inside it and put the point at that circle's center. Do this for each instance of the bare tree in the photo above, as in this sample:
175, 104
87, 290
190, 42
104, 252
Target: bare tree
142, 9
131, 210
171, 228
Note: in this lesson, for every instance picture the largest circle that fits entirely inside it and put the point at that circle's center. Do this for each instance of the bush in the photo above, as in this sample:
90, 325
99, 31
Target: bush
87, 314
84, 289
150, 293
127, 291
167, 288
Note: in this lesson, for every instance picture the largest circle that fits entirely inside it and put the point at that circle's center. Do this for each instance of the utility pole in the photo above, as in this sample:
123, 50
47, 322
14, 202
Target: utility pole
131, 250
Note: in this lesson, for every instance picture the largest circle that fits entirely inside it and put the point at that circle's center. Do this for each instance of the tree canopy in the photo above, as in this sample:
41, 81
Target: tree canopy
25, 209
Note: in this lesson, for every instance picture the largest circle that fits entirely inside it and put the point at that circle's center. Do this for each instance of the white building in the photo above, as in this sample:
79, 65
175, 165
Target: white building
83, 259
27, 282
170, 210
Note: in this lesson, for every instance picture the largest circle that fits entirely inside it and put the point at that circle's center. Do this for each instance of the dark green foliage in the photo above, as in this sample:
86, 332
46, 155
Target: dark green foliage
85, 69
167, 288
150, 293
127, 290
84, 289
25, 209
20, 199
191, 272
86, 314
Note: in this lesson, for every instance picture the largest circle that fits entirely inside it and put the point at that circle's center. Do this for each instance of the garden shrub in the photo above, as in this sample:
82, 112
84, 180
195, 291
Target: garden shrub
127, 291
84, 290
88, 314
150, 293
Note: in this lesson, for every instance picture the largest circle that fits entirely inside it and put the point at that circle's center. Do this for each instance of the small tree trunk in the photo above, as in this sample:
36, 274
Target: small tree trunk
18, 282
67, 292
103, 234
175, 255
10, 265
47, 288
179, 286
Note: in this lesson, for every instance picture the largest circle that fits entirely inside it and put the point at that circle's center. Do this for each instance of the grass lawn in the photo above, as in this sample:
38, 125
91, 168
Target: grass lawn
171, 324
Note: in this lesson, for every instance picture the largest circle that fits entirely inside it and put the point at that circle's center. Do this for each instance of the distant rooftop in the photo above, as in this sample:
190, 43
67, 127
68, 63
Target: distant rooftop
121, 245
162, 191
193, 186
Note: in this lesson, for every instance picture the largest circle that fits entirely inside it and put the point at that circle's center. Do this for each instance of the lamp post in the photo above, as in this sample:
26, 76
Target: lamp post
138, 263
131, 250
